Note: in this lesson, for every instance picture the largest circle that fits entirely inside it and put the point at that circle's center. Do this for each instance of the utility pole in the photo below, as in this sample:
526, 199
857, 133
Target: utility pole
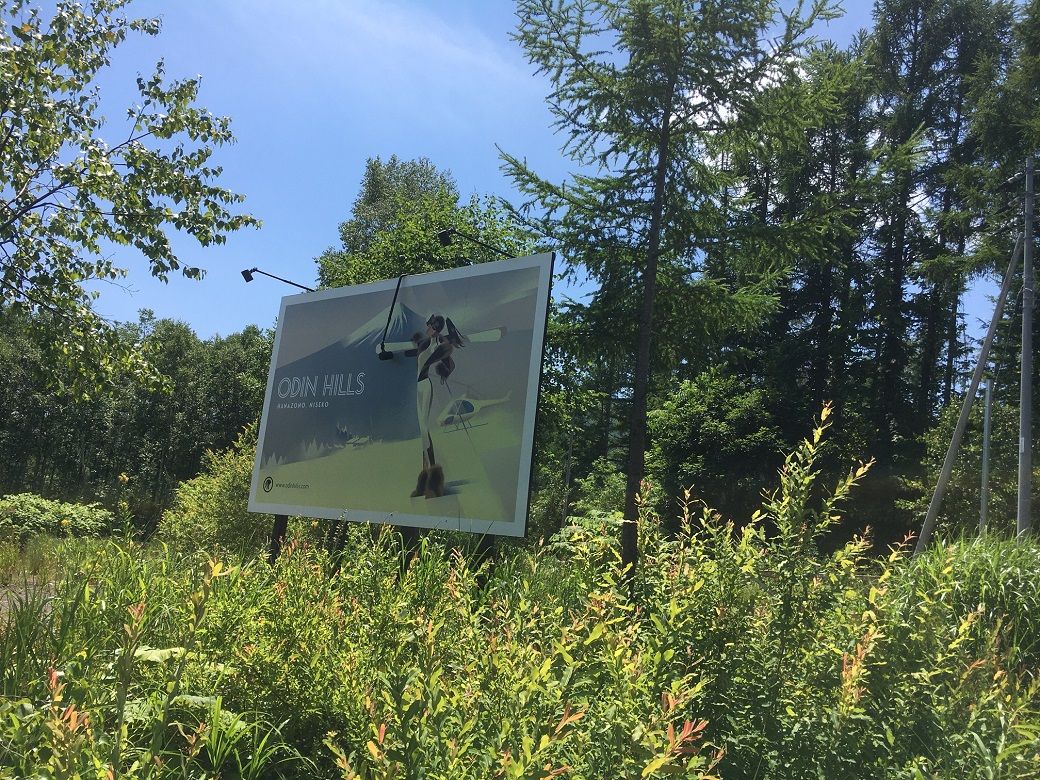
984, 502
1025, 399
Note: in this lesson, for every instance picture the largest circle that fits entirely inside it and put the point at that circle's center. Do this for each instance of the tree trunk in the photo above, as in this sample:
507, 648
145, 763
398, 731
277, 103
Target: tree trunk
641, 377
608, 410
953, 335
930, 341
891, 355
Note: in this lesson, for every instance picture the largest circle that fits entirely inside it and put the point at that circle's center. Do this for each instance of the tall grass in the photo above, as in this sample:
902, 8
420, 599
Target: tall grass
733, 653
84, 694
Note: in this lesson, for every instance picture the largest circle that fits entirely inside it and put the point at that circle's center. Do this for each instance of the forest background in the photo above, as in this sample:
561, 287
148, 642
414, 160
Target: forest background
898, 177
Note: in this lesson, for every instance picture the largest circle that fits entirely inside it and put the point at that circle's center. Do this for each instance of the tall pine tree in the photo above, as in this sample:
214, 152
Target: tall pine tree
653, 96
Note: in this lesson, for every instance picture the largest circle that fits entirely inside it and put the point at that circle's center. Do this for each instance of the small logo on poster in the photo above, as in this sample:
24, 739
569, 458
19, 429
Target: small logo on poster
268, 484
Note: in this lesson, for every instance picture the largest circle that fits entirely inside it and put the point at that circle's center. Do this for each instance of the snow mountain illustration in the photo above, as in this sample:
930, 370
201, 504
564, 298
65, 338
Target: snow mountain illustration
403, 323
372, 399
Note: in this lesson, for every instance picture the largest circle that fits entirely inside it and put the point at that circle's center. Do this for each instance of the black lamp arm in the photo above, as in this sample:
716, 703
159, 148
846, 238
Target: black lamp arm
446, 234
279, 278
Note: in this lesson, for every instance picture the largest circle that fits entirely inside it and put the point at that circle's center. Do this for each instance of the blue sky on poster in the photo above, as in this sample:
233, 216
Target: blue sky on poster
314, 89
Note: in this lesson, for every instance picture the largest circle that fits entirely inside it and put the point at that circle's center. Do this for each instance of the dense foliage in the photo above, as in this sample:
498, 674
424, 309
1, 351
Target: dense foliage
71, 188
800, 224
880, 212
733, 653
901, 172
715, 434
61, 445
24, 515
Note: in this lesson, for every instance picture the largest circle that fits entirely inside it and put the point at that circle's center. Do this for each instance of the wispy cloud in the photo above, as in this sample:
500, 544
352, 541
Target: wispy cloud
384, 49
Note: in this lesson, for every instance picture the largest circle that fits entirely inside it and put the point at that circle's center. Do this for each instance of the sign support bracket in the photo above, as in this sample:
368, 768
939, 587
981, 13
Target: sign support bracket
281, 523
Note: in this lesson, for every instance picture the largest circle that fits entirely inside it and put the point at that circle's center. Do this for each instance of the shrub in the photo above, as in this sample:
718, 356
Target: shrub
732, 652
602, 492
715, 436
84, 696
24, 515
209, 511
961, 505
841, 665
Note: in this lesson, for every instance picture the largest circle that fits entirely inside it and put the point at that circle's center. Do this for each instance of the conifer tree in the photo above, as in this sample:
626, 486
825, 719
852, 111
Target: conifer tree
653, 96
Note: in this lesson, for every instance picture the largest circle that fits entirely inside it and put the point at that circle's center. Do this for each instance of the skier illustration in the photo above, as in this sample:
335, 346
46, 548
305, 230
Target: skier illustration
433, 351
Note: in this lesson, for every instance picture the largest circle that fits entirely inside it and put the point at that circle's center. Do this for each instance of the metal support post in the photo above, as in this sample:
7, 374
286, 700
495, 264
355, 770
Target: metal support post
984, 501
951, 453
281, 523
1025, 398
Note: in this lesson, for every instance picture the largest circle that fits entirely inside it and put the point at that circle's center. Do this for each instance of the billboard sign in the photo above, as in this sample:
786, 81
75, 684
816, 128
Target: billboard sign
438, 436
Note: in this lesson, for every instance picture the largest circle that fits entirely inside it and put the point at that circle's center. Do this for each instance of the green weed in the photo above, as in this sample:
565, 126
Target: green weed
734, 652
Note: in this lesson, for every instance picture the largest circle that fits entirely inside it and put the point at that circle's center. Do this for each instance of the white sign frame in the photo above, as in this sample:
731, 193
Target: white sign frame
517, 526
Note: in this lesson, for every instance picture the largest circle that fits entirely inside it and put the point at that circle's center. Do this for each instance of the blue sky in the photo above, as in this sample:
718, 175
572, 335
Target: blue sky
314, 89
